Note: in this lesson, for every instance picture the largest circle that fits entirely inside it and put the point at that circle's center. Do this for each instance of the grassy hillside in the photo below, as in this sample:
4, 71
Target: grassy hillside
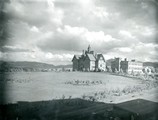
153, 64
78, 109
25, 64
28, 66
64, 109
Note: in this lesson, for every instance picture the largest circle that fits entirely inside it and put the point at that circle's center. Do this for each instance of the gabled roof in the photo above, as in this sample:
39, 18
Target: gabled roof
91, 57
76, 57
98, 56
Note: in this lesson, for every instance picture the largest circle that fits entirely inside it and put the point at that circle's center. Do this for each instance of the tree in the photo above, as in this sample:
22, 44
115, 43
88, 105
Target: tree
132, 73
121, 71
110, 70
156, 70
115, 70
153, 70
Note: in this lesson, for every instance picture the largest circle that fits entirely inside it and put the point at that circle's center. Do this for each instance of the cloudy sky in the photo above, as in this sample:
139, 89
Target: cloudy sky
52, 31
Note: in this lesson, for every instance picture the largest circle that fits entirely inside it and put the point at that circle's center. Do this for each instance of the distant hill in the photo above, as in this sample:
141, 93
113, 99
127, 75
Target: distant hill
28, 66
25, 64
65, 66
153, 64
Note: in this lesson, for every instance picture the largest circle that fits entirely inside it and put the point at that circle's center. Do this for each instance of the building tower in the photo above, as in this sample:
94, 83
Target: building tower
89, 49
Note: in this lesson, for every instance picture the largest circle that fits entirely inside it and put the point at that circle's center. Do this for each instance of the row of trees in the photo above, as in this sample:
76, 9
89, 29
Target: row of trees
28, 69
144, 70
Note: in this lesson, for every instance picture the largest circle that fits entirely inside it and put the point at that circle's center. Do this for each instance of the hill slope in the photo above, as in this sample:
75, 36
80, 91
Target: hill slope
153, 64
4, 66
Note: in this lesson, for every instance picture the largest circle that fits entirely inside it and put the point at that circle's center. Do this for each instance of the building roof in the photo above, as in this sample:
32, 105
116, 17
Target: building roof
76, 57
139, 106
98, 56
91, 57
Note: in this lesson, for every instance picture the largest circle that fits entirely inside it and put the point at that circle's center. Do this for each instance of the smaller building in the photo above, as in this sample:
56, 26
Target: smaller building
115, 65
131, 67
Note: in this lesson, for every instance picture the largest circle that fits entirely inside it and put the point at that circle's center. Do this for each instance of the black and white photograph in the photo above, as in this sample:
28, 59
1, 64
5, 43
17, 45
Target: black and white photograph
78, 59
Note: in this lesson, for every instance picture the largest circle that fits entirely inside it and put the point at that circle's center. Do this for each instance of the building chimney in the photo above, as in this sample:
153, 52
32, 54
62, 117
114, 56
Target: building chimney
83, 52
89, 48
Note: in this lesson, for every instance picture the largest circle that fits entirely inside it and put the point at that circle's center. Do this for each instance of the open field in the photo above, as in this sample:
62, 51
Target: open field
36, 86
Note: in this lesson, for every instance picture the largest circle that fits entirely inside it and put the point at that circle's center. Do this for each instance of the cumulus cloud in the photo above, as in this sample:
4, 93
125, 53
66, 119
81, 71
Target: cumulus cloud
34, 13
54, 30
39, 56
125, 49
77, 38
13, 49
140, 51
126, 34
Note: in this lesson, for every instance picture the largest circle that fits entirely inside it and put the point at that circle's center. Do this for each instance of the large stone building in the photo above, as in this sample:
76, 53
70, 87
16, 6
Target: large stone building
89, 61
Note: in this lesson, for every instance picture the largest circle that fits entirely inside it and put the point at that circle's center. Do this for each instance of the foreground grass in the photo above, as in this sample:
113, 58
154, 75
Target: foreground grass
78, 109
74, 109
